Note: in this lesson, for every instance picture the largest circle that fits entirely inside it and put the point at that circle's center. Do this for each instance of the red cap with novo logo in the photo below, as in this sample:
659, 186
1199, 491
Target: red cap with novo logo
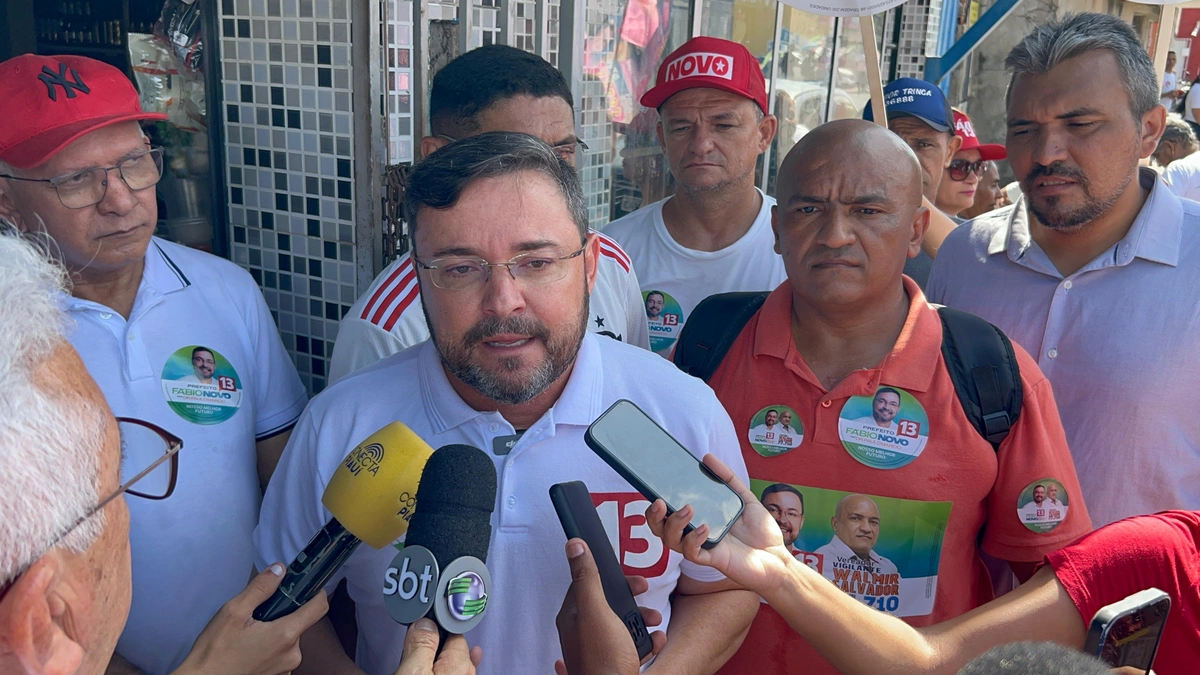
47, 102
966, 131
711, 63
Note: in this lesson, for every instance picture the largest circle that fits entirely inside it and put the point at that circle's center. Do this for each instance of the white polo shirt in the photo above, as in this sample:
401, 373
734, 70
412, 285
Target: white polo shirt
1183, 176
526, 559
685, 276
388, 317
193, 551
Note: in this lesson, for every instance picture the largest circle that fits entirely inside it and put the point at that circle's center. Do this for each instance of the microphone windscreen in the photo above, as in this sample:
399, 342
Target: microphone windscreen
455, 500
373, 491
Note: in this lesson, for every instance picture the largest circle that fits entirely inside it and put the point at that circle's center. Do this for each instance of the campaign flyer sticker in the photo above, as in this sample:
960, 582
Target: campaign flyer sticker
201, 386
775, 430
665, 318
883, 551
1042, 505
884, 431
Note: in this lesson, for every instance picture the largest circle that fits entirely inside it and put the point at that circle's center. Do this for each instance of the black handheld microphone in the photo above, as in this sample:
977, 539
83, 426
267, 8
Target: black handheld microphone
440, 573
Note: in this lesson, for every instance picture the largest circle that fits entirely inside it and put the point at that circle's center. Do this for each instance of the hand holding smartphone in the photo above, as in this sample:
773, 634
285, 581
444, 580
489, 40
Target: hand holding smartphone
660, 468
579, 519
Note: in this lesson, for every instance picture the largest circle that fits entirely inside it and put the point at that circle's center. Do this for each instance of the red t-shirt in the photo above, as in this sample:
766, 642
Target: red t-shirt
1131, 555
883, 485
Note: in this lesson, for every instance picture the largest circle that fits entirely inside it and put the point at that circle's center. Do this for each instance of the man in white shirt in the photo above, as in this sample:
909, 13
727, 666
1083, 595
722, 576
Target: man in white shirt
506, 263
493, 88
884, 408
714, 235
855, 531
1035, 511
1094, 230
1170, 86
78, 170
203, 365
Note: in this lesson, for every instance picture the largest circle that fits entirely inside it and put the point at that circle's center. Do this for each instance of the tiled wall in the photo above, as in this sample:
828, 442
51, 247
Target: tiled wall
288, 128
399, 17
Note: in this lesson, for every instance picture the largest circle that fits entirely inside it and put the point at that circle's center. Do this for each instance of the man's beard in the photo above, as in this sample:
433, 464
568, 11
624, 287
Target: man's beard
560, 354
1075, 220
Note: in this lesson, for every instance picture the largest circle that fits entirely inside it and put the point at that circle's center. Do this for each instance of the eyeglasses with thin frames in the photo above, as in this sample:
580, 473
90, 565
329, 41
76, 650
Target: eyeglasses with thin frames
128, 426
81, 189
460, 273
566, 151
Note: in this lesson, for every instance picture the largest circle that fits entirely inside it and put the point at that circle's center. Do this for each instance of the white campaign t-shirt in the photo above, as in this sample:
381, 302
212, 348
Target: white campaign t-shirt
1191, 103
191, 552
529, 569
388, 317
685, 277
1169, 83
1183, 176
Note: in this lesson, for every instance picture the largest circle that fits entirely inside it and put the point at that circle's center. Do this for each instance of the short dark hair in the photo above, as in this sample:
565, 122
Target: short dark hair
438, 181
1039, 485
886, 390
658, 293
476, 80
1043, 658
782, 487
197, 350
772, 410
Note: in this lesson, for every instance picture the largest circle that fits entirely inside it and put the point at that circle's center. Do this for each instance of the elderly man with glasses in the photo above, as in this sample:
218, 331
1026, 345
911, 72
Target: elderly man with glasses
77, 171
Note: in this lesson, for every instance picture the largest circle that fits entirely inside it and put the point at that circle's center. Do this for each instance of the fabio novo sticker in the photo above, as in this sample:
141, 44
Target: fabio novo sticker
883, 551
884, 431
774, 430
665, 318
1042, 505
201, 386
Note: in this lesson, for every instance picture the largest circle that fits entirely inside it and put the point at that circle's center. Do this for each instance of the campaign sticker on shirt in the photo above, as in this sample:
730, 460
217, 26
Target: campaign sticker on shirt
883, 551
1042, 505
884, 431
774, 430
665, 318
201, 385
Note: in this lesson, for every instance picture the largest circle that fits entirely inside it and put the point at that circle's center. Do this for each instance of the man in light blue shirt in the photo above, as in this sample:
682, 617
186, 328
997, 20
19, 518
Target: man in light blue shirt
1094, 270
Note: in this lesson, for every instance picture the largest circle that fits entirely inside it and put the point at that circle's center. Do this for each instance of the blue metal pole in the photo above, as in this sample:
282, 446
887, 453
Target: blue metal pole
937, 69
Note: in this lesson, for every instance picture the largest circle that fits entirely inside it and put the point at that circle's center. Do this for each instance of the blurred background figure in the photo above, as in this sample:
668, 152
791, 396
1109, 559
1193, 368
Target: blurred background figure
1043, 658
961, 178
989, 196
1178, 141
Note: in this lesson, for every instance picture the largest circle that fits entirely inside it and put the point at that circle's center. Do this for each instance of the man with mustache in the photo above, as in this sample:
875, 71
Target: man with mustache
1098, 262
204, 364
506, 266
786, 505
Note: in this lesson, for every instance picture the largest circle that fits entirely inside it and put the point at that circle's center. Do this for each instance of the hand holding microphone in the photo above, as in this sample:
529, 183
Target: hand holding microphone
233, 643
422, 657
371, 497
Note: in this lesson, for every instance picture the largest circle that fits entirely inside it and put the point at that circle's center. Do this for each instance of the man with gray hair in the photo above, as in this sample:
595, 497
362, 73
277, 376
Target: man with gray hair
1177, 153
1098, 261
506, 264
65, 581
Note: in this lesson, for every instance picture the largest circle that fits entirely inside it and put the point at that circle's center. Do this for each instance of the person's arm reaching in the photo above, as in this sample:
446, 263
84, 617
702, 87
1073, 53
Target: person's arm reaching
269, 450
707, 627
940, 227
323, 653
753, 555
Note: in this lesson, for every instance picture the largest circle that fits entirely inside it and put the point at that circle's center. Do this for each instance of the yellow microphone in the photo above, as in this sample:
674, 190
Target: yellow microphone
372, 496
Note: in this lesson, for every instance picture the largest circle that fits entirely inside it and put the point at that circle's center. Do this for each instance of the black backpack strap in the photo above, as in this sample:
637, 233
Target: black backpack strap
984, 370
711, 329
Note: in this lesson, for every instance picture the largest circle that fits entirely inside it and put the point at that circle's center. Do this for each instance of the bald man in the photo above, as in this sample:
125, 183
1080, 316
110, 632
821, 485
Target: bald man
847, 324
855, 531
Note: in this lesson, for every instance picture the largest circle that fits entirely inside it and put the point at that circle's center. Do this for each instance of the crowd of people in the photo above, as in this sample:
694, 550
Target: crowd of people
929, 390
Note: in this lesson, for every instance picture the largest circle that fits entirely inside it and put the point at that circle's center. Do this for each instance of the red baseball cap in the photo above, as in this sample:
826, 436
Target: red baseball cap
49, 101
711, 63
966, 131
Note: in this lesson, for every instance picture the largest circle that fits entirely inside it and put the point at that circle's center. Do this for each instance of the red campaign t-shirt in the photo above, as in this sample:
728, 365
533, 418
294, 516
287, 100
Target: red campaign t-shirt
1131, 555
891, 449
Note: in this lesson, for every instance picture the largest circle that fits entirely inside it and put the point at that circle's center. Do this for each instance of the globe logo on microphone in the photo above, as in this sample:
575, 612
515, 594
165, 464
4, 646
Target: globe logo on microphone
466, 596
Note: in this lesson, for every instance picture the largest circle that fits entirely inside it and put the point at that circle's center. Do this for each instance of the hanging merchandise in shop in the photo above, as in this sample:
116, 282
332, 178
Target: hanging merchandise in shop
844, 7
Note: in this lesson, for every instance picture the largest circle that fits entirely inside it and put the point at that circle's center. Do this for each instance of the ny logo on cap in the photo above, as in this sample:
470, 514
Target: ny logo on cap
698, 64
51, 78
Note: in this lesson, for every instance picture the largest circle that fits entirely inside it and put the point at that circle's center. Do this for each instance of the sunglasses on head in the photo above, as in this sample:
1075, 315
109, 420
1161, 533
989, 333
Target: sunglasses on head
961, 168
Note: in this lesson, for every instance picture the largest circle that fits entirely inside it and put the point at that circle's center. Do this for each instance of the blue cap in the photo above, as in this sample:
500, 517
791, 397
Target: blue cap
910, 97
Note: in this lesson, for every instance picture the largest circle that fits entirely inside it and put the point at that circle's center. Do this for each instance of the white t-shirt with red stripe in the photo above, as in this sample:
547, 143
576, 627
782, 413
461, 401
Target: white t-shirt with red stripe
388, 317
680, 278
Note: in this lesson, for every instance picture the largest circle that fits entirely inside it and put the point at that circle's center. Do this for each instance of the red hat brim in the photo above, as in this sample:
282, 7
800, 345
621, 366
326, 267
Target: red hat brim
992, 151
37, 149
659, 94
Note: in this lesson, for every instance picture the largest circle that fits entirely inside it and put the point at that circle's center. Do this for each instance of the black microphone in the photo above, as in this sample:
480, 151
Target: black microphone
441, 571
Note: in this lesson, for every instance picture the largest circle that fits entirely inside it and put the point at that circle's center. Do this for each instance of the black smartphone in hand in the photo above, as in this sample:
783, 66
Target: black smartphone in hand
661, 468
1127, 633
579, 519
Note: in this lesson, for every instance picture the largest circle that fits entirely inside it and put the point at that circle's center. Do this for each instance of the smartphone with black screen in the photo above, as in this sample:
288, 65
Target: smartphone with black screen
579, 519
1127, 633
660, 468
